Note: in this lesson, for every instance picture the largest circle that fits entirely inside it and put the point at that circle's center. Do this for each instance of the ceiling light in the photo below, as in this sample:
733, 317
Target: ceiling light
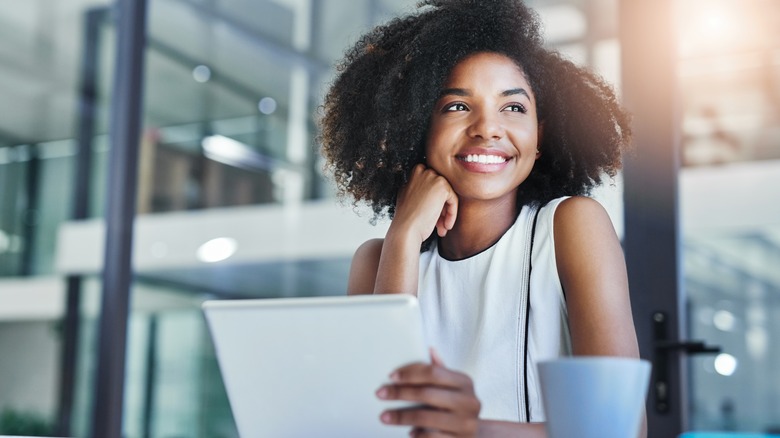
234, 153
216, 250
201, 73
267, 105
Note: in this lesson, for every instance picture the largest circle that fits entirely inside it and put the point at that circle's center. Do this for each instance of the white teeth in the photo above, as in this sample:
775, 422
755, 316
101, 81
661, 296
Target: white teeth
484, 159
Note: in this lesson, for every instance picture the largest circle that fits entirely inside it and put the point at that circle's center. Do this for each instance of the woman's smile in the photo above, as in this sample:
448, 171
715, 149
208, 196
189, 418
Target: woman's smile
483, 161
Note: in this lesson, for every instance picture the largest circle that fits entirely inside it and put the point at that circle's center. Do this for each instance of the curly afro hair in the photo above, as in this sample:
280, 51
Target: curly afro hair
377, 112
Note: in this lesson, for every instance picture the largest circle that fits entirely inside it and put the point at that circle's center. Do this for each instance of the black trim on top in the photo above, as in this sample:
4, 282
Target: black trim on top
527, 318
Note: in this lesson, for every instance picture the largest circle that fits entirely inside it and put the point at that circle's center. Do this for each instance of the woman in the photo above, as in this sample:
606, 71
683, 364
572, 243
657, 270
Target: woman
481, 144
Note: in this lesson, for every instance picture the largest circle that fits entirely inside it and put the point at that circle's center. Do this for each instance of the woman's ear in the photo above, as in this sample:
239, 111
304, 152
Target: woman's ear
539, 136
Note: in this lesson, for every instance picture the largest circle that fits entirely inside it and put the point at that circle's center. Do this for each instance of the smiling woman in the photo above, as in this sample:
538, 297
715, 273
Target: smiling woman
480, 143
377, 113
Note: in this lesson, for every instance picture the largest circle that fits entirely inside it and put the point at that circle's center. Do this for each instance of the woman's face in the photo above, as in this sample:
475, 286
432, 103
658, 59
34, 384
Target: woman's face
484, 130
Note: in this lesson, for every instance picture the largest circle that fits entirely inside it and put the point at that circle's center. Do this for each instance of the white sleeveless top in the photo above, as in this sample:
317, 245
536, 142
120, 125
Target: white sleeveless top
474, 314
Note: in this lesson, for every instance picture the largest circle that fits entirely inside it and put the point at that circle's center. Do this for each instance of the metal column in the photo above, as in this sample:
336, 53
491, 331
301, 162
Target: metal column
88, 96
124, 133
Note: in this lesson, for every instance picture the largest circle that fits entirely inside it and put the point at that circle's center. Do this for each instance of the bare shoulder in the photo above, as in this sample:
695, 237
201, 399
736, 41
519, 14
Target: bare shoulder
365, 262
369, 248
579, 211
593, 274
581, 221
583, 230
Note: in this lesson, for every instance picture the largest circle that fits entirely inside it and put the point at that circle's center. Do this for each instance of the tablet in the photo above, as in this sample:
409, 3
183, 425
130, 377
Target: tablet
310, 367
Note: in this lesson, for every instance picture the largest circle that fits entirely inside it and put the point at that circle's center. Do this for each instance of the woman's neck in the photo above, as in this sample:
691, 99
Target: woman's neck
478, 226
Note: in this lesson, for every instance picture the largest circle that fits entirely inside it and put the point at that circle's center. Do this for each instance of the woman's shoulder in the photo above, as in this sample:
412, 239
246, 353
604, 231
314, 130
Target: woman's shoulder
578, 208
580, 222
563, 211
365, 262
579, 211
370, 247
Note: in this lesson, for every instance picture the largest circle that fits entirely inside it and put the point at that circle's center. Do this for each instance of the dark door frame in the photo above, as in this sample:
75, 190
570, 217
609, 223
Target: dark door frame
650, 92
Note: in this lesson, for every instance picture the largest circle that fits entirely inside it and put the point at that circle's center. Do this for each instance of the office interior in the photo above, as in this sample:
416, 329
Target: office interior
233, 202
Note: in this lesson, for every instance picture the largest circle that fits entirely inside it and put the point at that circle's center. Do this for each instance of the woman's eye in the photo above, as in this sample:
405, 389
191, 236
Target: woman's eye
456, 107
516, 108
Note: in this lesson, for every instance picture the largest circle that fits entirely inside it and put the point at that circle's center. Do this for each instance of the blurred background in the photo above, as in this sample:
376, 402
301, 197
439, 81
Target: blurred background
232, 201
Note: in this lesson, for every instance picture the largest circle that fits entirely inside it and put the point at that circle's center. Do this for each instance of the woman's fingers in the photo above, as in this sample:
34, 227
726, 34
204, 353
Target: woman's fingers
431, 419
434, 386
450, 209
448, 404
428, 374
431, 396
441, 227
448, 214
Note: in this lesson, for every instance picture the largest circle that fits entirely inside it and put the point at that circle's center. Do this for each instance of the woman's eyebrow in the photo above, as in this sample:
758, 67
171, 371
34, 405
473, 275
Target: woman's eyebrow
455, 92
466, 93
513, 91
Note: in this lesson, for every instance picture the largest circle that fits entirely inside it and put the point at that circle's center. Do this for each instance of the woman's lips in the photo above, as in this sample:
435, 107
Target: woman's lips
483, 163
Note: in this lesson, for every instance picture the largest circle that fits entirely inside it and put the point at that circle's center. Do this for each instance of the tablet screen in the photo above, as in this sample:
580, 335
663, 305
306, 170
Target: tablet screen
297, 367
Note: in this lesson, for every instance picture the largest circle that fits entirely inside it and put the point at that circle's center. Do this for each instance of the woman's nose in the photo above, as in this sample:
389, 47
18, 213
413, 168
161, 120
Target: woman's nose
486, 126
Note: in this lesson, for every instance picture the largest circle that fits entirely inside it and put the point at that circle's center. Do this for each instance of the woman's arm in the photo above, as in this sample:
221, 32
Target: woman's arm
427, 202
362, 272
593, 275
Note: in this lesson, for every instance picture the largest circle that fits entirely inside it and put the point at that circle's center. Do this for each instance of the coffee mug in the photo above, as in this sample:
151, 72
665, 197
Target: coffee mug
594, 397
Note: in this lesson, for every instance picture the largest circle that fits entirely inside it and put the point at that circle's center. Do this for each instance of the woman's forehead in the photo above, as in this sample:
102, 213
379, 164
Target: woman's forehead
487, 67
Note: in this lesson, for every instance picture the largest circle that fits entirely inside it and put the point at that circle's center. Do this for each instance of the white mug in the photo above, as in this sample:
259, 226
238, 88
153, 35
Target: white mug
594, 397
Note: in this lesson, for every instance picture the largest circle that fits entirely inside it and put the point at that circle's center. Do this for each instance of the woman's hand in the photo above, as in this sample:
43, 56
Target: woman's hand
426, 202
451, 407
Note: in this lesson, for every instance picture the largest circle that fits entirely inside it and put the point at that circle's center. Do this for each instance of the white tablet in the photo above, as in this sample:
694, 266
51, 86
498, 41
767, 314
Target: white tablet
309, 367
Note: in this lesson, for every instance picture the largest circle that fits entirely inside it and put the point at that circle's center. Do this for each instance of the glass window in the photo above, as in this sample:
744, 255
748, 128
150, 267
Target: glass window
729, 76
